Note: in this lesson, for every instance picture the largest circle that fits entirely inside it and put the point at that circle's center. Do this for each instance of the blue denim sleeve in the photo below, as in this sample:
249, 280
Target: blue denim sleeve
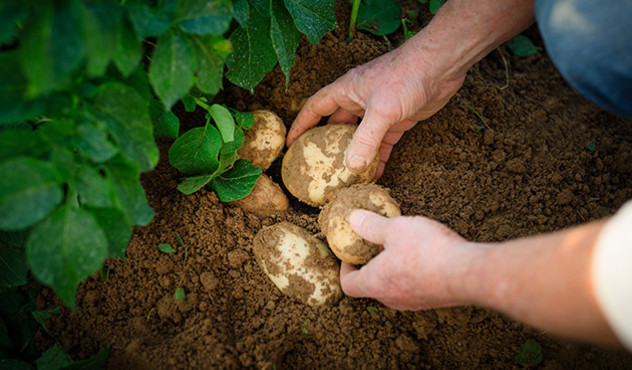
590, 42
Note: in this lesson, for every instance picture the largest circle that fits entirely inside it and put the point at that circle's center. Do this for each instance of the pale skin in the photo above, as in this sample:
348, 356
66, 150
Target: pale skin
544, 280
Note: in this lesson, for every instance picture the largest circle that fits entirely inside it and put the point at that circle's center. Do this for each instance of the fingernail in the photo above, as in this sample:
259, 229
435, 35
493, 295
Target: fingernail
355, 163
356, 218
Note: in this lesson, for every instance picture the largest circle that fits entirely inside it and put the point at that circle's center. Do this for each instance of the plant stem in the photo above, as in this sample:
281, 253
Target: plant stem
354, 18
202, 104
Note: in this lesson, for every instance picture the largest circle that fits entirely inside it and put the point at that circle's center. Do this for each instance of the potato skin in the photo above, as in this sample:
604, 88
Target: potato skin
334, 221
265, 140
314, 166
299, 264
265, 199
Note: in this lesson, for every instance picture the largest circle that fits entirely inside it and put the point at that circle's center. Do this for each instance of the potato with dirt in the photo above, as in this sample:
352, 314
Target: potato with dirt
265, 140
314, 166
298, 263
334, 221
265, 199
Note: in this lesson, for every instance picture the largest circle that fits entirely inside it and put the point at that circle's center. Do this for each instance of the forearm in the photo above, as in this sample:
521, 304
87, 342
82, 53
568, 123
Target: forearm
464, 31
543, 281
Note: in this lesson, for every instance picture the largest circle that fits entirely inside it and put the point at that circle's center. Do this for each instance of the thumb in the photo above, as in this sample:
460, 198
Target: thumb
366, 141
370, 226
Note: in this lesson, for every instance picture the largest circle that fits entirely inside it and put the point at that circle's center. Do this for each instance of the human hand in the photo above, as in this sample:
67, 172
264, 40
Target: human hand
391, 94
423, 264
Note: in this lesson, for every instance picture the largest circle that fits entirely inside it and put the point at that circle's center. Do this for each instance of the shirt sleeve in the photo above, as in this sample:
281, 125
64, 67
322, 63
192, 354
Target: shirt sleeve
612, 273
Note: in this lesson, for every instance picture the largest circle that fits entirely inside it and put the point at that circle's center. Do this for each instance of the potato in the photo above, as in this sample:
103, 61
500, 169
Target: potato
314, 166
266, 198
334, 221
299, 264
265, 140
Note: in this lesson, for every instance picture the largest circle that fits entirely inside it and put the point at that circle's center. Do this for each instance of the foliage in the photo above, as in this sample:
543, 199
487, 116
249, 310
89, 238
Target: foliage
209, 154
522, 46
377, 17
530, 354
88, 85
180, 295
434, 5
166, 248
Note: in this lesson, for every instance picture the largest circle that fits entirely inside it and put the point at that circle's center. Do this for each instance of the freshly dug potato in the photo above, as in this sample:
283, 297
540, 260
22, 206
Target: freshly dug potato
266, 198
265, 140
334, 221
299, 264
314, 166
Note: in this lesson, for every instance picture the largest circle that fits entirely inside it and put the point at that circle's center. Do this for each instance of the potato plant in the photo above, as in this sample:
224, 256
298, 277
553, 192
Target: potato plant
86, 86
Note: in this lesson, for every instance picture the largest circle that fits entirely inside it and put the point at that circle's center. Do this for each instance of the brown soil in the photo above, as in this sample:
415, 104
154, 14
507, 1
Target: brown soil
504, 159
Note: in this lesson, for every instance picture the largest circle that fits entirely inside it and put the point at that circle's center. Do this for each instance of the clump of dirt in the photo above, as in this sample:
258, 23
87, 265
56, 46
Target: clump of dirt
504, 159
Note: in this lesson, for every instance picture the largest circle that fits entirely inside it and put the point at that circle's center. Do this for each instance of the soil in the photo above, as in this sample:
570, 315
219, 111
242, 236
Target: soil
506, 158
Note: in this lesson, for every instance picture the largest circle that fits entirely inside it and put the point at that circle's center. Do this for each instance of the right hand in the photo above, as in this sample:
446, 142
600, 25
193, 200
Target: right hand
391, 94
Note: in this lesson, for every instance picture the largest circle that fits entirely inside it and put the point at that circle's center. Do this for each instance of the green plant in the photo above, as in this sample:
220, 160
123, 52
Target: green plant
377, 17
303, 326
180, 295
530, 354
166, 248
88, 85
209, 154
522, 46
373, 311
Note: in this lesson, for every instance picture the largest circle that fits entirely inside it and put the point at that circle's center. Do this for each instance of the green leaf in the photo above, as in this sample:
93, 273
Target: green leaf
224, 121
242, 11
262, 6
12, 12
101, 19
125, 113
14, 107
13, 266
150, 22
93, 188
521, 46
29, 190
172, 66
131, 198
41, 316
56, 359
129, 50
202, 17
314, 18
210, 54
379, 17
189, 103
15, 143
118, 230
166, 124
192, 184
195, 152
180, 295
435, 5
53, 47
253, 55
166, 248
64, 161
285, 37
233, 146
93, 142
65, 248
244, 120
237, 182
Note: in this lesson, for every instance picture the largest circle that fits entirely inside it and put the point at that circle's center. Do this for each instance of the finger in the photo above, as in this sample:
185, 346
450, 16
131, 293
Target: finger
343, 116
366, 141
351, 281
320, 105
370, 226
